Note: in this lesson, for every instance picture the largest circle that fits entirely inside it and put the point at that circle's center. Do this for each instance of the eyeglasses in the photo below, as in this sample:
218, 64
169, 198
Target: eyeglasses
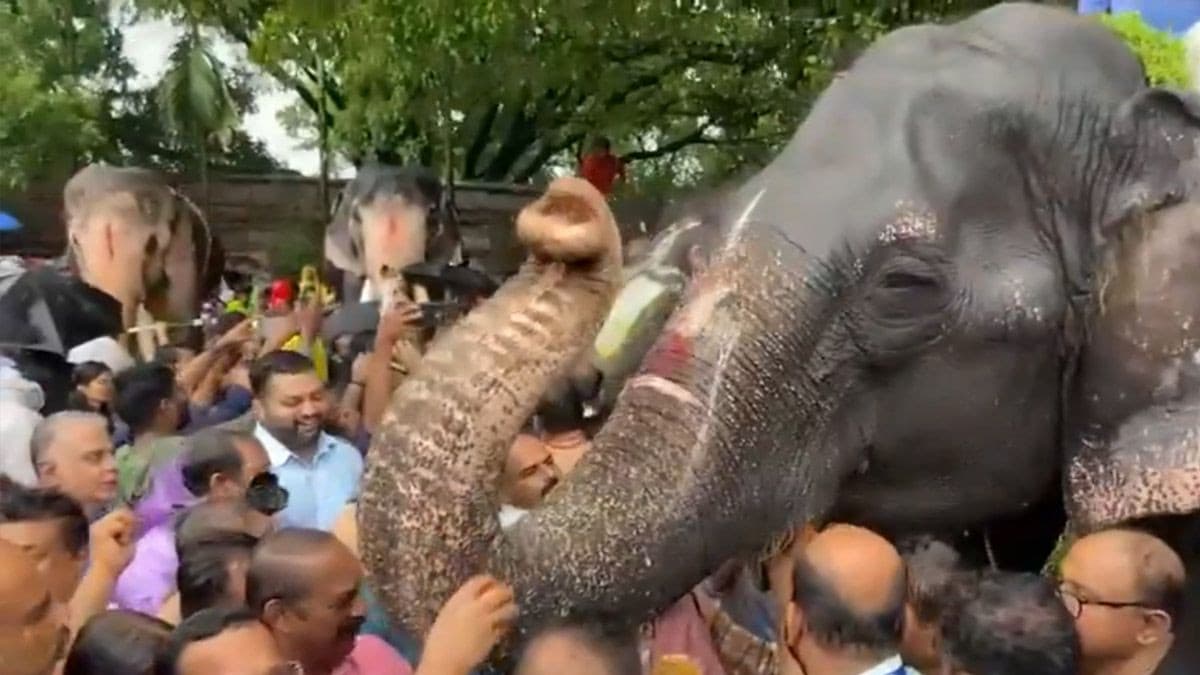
289, 668
1075, 604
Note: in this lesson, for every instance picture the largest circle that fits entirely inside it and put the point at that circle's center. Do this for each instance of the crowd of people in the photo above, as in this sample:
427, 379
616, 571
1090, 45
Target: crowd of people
195, 515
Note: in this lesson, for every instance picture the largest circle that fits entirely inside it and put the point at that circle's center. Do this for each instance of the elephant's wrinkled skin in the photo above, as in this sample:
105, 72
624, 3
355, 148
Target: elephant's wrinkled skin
884, 335
384, 221
134, 237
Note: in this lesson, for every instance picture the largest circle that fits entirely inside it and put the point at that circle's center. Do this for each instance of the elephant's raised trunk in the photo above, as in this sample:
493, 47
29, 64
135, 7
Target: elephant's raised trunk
430, 503
701, 460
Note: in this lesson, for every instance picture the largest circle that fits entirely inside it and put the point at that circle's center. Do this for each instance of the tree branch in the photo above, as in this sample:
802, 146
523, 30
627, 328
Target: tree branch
479, 140
521, 133
690, 138
543, 155
695, 137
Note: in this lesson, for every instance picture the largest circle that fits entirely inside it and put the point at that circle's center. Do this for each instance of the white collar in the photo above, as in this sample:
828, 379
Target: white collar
509, 515
886, 667
278, 453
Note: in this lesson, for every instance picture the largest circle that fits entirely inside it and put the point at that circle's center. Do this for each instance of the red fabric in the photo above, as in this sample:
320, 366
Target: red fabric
281, 293
601, 171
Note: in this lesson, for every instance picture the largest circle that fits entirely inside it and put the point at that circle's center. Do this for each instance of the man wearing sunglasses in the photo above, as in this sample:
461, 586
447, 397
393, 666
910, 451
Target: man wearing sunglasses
218, 467
1125, 590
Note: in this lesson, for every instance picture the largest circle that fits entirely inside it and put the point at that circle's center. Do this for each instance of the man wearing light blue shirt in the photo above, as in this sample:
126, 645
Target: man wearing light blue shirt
320, 472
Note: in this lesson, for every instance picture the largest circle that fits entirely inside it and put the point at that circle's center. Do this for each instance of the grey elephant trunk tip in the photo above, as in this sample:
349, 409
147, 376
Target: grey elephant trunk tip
571, 223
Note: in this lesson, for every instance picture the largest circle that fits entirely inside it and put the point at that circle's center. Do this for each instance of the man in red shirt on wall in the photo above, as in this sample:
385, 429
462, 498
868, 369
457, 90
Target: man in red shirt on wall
600, 167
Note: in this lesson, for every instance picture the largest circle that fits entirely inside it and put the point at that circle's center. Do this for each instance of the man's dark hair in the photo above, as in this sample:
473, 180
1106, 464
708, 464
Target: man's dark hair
169, 355
932, 568
278, 362
601, 143
207, 518
203, 574
272, 574
23, 504
833, 623
615, 642
561, 410
140, 391
117, 642
208, 453
203, 625
1004, 622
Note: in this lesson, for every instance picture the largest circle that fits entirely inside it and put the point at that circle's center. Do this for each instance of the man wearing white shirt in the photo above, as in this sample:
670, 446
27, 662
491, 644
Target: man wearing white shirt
320, 472
847, 611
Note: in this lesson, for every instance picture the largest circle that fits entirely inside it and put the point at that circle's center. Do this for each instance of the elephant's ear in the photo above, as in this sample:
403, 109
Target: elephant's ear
1162, 127
209, 254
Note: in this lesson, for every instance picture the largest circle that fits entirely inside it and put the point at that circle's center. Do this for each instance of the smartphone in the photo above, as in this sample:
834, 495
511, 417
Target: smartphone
434, 314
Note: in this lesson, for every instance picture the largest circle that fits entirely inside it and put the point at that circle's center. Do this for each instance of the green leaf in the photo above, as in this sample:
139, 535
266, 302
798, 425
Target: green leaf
1163, 55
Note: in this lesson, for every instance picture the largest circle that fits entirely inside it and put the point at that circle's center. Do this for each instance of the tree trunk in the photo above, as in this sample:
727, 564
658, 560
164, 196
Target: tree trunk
323, 137
202, 147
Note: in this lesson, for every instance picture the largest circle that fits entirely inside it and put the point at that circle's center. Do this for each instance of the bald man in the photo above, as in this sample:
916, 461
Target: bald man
33, 632
582, 649
1125, 590
305, 586
847, 611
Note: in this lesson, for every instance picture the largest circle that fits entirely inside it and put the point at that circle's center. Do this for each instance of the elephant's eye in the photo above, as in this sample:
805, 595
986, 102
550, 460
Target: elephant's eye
899, 280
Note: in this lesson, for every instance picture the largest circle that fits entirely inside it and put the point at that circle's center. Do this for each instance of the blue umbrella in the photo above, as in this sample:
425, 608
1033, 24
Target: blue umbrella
8, 223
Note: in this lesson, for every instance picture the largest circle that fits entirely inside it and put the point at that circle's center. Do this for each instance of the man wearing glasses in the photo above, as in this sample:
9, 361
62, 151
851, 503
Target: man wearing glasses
1125, 590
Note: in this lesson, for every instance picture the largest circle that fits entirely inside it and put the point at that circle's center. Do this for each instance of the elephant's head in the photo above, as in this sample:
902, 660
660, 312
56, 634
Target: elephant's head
387, 218
882, 331
134, 237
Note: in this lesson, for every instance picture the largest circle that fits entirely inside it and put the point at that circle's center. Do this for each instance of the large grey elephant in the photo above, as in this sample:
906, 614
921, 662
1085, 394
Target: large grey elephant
385, 219
891, 328
130, 234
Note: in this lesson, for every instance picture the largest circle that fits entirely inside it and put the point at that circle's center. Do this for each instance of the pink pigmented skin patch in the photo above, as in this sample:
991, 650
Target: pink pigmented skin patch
669, 355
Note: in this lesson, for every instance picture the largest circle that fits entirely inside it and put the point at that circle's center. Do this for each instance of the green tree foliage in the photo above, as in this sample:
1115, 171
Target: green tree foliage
67, 100
56, 59
1163, 55
508, 90
195, 99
